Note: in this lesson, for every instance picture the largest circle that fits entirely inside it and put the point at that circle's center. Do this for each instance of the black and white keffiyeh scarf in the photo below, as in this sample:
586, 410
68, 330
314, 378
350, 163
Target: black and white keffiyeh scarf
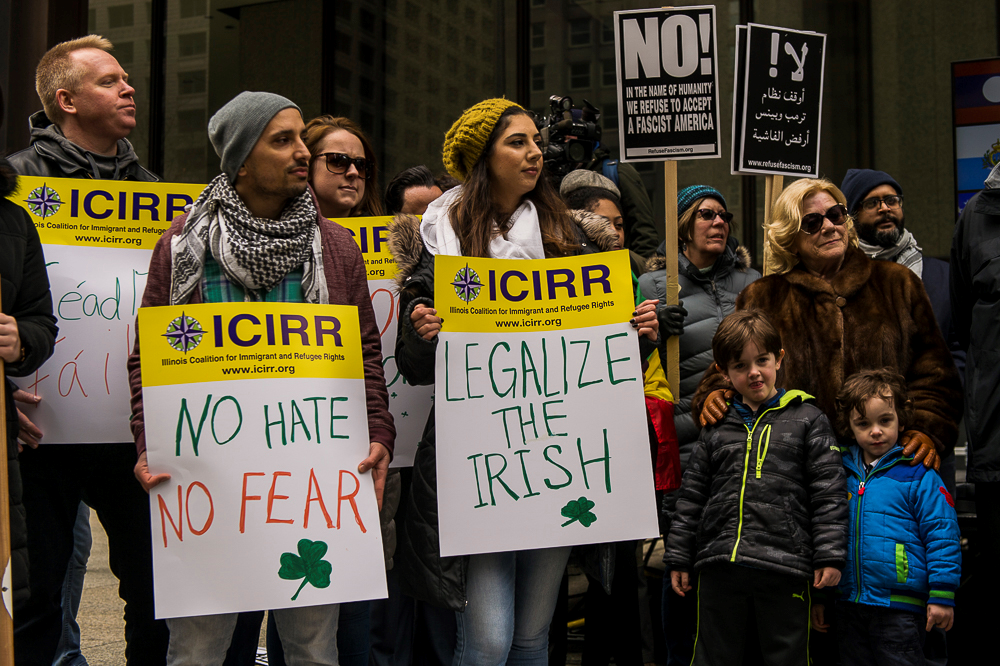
253, 252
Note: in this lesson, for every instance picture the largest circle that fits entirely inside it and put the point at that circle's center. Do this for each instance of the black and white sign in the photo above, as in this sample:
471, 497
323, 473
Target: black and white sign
668, 98
777, 130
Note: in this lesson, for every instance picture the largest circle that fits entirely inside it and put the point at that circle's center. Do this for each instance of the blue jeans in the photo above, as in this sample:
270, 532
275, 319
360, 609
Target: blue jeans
511, 600
68, 650
878, 635
308, 635
352, 636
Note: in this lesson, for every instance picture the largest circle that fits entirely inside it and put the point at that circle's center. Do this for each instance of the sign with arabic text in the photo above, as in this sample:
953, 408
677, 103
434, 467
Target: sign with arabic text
778, 131
668, 97
257, 412
540, 416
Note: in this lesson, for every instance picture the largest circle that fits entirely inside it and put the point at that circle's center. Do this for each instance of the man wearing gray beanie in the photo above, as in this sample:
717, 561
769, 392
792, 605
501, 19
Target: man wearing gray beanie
255, 234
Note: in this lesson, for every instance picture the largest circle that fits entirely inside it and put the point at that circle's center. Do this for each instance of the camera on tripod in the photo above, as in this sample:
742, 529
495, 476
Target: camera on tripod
570, 135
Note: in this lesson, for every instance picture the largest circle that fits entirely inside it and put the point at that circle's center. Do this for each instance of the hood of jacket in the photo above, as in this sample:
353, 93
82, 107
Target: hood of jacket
736, 256
8, 178
48, 140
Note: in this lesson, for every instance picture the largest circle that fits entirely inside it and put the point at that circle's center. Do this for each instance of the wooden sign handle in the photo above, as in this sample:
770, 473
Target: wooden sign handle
6, 619
772, 188
673, 287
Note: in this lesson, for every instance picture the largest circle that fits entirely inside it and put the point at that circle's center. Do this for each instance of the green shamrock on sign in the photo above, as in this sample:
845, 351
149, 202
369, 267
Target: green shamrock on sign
579, 510
308, 564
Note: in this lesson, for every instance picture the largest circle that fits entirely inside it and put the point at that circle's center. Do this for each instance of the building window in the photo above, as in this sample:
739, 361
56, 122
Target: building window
367, 21
192, 8
579, 75
537, 3
121, 16
579, 32
609, 116
342, 76
366, 53
191, 121
412, 12
191, 83
608, 76
607, 31
538, 35
343, 9
92, 20
124, 53
192, 44
538, 78
366, 87
343, 42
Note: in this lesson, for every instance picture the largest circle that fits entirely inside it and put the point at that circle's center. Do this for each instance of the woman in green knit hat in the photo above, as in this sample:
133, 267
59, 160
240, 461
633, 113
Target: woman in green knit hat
506, 209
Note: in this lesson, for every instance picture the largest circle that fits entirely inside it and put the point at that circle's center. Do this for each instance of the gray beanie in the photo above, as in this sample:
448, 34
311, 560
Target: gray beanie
579, 178
236, 127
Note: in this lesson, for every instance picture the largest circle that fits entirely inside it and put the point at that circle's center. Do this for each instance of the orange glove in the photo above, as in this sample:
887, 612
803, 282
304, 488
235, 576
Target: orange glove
715, 407
922, 448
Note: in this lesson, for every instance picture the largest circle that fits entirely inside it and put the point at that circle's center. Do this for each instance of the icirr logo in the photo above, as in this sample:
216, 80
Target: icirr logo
467, 284
184, 333
43, 201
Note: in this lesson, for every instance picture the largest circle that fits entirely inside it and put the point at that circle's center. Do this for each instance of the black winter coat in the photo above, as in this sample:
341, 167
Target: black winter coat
26, 297
775, 500
52, 155
975, 306
708, 298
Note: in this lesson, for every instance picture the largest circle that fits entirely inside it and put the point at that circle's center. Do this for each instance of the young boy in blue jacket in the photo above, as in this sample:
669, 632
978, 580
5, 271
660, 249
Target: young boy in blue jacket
904, 557
762, 510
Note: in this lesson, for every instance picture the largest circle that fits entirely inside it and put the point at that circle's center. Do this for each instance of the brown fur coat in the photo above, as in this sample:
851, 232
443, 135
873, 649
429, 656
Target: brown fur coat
872, 314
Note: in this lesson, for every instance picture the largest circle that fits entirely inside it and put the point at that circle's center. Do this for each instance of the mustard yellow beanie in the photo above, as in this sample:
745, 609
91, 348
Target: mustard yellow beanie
466, 140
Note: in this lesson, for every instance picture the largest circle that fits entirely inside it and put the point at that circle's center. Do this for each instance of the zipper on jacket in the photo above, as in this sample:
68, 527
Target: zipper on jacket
865, 478
746, 468
765, 437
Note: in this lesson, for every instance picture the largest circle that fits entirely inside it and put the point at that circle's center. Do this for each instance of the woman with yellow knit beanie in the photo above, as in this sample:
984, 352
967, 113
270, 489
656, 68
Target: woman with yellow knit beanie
505, 208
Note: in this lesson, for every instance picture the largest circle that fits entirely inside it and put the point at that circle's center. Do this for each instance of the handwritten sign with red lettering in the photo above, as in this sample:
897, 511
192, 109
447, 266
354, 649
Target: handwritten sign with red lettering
257, 412
97, 237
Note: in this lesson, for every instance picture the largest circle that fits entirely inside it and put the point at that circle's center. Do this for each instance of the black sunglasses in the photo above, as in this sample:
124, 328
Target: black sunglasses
339, 163
708, 215
813, 222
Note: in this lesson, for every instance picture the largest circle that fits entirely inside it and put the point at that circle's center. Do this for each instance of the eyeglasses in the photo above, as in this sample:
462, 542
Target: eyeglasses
339, 163
813, 222
891, 201
708, 215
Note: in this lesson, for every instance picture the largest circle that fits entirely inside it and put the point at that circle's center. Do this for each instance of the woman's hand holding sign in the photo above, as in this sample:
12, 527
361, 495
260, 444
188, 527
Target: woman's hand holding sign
425, 321
146, 480
643, 319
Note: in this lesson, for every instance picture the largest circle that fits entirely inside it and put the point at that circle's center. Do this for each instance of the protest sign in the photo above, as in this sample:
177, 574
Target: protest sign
668, 99
257, 412
779, 127
408, 404
97, 237
540, 417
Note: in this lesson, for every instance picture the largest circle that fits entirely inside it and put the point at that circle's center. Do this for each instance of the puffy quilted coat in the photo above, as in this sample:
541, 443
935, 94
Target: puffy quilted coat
770, 496
707, 297
903, 548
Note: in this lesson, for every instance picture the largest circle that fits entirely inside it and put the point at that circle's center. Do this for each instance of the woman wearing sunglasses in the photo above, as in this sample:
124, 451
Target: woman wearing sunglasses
712, 270
505, 208
839, 312
342, 171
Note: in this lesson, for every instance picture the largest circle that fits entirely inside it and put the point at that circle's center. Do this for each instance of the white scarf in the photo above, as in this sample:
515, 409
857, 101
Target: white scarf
523, 239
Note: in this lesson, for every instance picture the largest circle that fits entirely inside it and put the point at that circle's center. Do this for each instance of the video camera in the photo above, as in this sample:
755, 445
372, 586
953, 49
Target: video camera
569, 135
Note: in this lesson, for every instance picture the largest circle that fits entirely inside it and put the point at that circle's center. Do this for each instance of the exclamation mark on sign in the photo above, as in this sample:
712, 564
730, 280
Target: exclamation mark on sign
705, 28
775, 38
